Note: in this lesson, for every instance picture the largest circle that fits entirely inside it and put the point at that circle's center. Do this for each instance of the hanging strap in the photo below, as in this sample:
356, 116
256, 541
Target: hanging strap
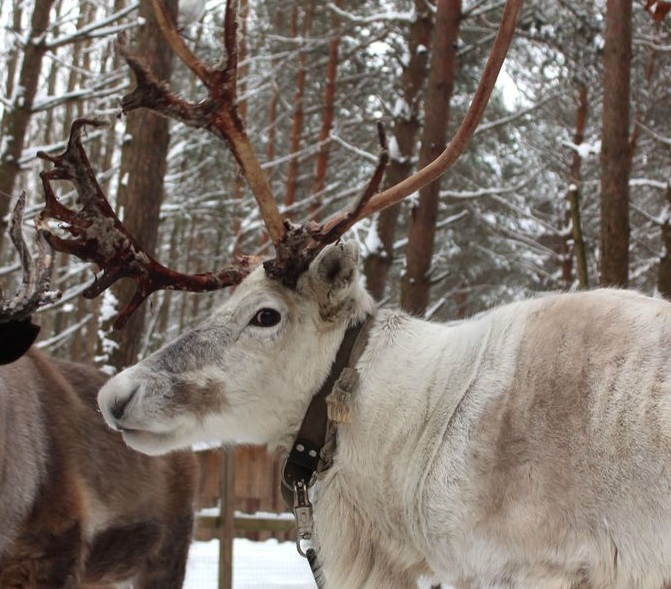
311, 555
317, 431
303, 459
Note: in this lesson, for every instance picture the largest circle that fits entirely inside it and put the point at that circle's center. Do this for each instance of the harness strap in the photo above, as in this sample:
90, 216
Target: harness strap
311, 555
304, 455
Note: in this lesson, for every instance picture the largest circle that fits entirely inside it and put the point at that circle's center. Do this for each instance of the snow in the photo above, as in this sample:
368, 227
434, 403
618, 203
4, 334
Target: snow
394, 150
401, 109
388, 16
190, 11
5, 140
493, 163
256, 565
509, 90
584, 149
108, 307
372, 242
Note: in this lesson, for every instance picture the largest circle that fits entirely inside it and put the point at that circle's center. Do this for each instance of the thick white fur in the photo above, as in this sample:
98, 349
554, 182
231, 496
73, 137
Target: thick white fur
526, 449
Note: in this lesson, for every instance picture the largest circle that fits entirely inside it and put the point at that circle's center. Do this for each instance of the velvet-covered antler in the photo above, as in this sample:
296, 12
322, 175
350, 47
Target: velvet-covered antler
17, 331
95, 234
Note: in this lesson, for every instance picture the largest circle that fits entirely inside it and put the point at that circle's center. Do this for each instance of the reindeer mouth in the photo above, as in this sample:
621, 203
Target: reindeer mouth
127, 430
137, 431
154, 440
147, 441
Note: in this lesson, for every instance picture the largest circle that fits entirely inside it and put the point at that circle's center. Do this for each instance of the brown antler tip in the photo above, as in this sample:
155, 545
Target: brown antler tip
121, 41
76, 129
382, 136
43, 155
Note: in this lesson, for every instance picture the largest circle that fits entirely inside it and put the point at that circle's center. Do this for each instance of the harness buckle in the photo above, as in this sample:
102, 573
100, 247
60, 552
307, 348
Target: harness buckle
303, 514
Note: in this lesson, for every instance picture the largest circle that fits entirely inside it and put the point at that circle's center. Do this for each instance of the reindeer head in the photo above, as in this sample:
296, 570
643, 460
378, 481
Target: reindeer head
242, 375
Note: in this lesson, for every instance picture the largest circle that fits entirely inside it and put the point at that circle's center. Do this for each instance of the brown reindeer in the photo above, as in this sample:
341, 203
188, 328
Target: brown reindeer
76, 504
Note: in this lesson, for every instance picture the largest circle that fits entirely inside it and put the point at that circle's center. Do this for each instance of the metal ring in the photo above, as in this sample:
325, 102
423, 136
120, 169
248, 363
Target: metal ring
304, 554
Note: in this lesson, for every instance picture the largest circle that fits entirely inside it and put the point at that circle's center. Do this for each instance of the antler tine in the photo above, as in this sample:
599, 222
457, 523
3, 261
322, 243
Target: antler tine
34, 290
97, 235
303, 242
332, 232
231, 38
177, 44
218, 113
343, 220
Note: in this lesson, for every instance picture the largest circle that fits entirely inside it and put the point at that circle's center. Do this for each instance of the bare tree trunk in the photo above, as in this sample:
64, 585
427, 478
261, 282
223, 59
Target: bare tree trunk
143, 165
17, 116
189, 239
166, 306
14, 51
272, 122
239, 182
406, 130
573, 195
639, 115
110, 62
416, 281
227, 515
53, 75
279, 24
664, 275
106, 146
297, 124
321, 161
615, 151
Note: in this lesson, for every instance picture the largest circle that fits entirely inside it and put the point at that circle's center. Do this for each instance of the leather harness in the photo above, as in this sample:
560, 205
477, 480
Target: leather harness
312, 451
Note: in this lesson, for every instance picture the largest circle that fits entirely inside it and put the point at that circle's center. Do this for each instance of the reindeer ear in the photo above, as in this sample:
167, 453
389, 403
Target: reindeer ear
332, 279
15, 339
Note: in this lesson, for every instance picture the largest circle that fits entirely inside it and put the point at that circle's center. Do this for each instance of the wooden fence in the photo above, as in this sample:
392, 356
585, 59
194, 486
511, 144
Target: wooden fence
240, 485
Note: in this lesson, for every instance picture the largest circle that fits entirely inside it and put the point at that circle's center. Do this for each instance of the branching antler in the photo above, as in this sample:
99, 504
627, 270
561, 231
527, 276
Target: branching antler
218, 113
97, 235
34, 290
17, 332
303, 242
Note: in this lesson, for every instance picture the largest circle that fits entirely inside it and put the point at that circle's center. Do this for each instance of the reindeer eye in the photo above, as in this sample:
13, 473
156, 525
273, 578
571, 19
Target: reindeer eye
266, 318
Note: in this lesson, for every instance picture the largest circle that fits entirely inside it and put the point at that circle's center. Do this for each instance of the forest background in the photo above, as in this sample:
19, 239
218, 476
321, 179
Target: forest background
566, 183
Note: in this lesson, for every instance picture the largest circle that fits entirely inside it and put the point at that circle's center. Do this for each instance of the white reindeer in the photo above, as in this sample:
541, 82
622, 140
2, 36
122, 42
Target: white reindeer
529, 448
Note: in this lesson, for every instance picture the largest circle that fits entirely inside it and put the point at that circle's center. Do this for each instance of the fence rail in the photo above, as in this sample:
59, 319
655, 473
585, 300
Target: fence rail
209, 525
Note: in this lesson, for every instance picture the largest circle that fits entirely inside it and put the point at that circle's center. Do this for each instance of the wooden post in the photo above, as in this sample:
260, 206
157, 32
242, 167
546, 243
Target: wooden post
227, 518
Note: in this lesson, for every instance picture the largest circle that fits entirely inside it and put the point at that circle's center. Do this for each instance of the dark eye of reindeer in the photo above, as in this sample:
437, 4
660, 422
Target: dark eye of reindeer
266, 318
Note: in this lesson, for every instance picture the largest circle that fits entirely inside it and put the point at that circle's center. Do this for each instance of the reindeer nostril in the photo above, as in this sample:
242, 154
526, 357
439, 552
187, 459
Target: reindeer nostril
119, 406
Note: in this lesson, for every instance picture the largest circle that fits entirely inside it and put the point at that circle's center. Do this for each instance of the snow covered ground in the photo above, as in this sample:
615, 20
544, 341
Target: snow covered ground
256, 565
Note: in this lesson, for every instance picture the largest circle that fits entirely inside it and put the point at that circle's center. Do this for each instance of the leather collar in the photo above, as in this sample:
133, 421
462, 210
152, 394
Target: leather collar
304, 456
